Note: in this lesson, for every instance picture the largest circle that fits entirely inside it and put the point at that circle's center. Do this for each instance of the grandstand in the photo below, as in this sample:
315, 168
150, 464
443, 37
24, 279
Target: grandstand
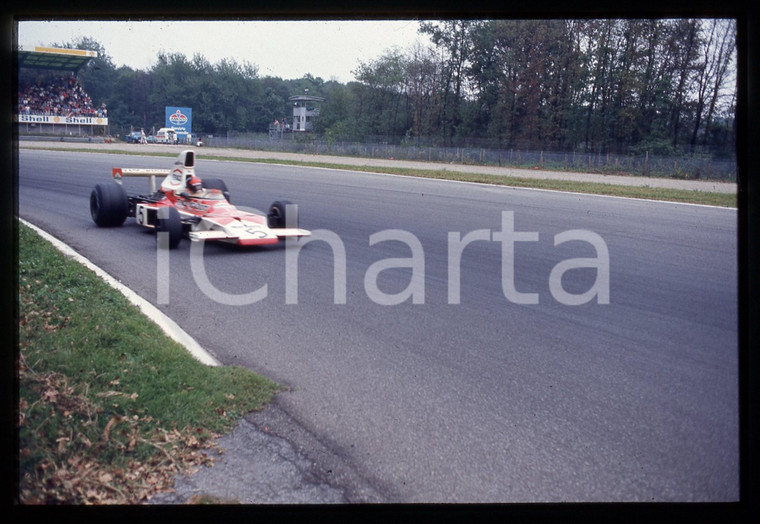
51, 101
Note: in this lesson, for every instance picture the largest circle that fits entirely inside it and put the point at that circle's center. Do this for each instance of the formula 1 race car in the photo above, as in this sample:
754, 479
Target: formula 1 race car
185, 206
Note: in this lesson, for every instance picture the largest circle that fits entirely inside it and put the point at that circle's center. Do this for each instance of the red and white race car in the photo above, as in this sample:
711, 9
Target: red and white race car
185, 206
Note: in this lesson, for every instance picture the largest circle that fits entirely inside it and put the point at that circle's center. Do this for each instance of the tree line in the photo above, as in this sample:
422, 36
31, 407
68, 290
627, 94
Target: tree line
615, 86
666, 86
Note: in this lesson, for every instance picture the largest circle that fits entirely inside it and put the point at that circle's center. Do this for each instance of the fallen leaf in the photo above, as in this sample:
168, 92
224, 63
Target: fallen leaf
111, 423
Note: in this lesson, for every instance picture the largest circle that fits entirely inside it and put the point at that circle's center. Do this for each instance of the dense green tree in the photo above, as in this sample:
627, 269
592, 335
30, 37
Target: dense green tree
380, 96
337, 117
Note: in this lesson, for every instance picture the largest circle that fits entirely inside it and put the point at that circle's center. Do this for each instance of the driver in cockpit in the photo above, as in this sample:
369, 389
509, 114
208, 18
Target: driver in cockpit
194, 187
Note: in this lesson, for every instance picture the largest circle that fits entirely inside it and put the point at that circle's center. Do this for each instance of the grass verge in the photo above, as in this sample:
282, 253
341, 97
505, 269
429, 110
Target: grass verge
110, 408
595, 188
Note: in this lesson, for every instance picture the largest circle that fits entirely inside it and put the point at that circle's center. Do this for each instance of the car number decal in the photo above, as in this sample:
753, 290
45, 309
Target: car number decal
141, 215
256, 232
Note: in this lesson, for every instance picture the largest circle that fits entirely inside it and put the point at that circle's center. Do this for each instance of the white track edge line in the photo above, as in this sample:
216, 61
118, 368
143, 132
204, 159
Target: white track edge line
166, 324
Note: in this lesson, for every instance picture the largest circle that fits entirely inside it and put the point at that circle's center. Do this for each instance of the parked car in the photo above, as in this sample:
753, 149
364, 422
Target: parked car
135, 137
166, 135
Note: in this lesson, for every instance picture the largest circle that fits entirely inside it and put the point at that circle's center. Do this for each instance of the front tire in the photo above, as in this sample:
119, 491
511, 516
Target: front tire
279, 217
169, 222
217, 183
109, 205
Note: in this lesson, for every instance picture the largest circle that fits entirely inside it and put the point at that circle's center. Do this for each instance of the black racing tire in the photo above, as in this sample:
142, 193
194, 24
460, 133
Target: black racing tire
217, 183
170, 222
278, 216
109, 205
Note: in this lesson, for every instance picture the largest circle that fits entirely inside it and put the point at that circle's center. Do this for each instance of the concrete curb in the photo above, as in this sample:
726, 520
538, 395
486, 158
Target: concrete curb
166, 324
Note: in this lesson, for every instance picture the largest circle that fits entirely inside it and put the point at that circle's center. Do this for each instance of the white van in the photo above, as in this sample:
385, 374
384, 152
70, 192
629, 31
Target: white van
166, 135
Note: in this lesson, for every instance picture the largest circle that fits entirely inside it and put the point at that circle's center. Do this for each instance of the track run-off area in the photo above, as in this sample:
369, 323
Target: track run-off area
454, 342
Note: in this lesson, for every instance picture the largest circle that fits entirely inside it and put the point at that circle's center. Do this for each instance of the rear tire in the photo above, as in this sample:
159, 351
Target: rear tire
217, 183
109, 205
278, 216
169, 222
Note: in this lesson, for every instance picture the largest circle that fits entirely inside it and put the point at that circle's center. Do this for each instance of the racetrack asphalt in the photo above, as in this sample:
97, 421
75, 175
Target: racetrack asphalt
488, 402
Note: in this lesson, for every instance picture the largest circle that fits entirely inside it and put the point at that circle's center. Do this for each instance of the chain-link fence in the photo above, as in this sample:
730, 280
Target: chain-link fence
687, 167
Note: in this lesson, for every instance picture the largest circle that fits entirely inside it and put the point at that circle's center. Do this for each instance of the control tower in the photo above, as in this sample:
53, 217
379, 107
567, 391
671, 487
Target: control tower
305, 111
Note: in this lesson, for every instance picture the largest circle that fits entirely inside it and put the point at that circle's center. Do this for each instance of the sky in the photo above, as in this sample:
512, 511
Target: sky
286, 49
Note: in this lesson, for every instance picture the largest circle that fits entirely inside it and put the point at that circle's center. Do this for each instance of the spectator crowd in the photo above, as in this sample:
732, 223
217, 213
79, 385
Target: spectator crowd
58, 96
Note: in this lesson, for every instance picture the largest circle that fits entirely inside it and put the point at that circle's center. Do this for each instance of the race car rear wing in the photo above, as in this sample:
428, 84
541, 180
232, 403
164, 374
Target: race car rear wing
119, 172
183, 167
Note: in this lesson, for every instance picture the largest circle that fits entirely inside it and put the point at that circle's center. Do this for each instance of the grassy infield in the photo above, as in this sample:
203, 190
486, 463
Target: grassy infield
110, 408
651, 193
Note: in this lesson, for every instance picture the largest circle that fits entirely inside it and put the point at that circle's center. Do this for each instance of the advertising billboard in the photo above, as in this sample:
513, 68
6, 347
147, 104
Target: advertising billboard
180, 118
48, 119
